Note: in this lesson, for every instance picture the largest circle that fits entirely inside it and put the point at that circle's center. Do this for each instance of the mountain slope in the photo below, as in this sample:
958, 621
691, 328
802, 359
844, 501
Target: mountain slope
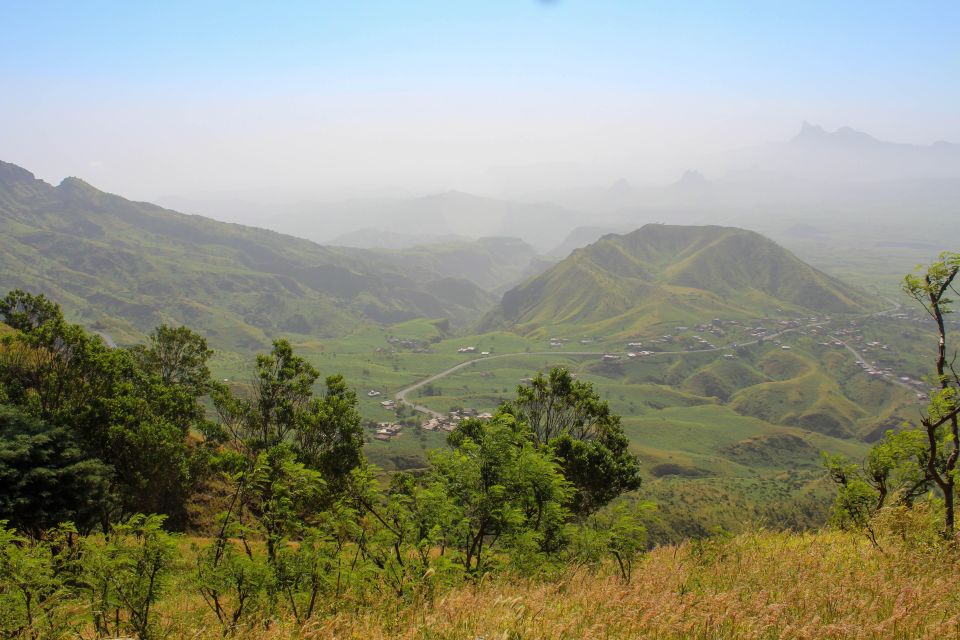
663, 273
131, 265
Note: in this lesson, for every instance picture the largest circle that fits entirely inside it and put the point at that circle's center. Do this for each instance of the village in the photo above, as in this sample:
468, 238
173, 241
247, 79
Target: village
727, 337
737, 334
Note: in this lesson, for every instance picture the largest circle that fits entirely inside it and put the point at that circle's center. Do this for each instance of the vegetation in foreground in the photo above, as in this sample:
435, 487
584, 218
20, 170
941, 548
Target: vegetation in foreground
521, 527
759, 585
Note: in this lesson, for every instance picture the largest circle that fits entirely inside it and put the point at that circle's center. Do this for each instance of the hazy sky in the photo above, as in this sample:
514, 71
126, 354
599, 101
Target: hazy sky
156, 98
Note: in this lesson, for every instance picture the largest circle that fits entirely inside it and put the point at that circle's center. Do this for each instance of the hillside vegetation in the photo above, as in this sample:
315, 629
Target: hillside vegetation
756, 586
127, 266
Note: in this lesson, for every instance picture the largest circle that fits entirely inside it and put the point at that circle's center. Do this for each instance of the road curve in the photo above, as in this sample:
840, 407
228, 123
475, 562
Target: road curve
401, 395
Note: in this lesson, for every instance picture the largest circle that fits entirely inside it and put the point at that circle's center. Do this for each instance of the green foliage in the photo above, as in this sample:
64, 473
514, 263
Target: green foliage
329, 437
34, 592
232, 582
618, 530
568, 418
46, 477
125, 574
130, 412
923, 456
502, 488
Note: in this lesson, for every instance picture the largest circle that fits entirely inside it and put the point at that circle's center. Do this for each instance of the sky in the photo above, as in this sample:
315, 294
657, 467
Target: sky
367, 97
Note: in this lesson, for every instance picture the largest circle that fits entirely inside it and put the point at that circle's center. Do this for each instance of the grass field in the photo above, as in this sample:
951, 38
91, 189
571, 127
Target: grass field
758, 585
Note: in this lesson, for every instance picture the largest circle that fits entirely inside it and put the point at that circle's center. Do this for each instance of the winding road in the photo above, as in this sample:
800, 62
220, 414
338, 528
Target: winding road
401, 395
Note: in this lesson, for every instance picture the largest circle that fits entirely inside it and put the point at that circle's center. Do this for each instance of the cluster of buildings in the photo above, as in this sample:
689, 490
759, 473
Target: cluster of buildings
413, 345
387, 430
451, 420
875, 369
472, 350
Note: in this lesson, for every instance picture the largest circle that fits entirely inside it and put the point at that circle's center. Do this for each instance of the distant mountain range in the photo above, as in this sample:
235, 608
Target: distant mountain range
847, 155
828, 179
452, 213
814, 166
662, 273
126, 266
495, 264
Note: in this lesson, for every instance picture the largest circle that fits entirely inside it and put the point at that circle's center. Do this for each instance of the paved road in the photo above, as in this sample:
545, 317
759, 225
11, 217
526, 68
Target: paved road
401, 396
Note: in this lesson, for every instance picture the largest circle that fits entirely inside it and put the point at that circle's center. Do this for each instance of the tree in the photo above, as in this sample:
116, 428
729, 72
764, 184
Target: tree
131, 410
941, 420
504, 489
178, 356
324, 433
908, 463
26, 312
617, 530
282, 394
329, 436
46, 477
125, 575
35, 576
568, 418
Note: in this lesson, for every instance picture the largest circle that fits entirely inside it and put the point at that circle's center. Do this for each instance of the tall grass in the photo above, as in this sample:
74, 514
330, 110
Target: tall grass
755, 586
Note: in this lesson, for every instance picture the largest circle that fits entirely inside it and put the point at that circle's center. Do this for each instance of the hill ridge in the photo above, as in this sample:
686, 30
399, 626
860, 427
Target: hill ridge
131, 265
667, 272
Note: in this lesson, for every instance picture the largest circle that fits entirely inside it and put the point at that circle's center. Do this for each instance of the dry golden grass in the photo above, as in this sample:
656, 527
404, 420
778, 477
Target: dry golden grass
762, 585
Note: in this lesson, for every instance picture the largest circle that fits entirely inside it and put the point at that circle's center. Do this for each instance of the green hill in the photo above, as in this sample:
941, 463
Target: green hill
124, 267
663, 273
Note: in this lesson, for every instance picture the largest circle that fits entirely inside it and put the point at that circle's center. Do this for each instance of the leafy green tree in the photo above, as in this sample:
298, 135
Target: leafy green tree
27, 313
282, 391
232, 582
568, 418
329, 436
325, 433
178, 356
35, 598
131, 410
856, 501
502, 489
126, 573
908, 463
932, 290
617, 530
46, 477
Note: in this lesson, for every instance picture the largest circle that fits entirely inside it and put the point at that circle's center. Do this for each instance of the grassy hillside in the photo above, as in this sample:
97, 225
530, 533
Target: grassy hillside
660, 273
125, 266
756, 586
